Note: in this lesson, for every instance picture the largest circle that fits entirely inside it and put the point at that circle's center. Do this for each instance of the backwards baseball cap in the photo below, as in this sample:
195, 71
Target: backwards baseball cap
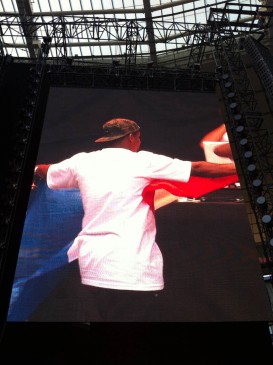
117, 128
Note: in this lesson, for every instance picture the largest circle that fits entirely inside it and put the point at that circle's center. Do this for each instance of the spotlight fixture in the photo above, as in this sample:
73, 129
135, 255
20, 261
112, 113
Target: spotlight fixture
225, 77
244, 142
240, 130
257, 183
228, 85
251, 168
234, 107
248, 155
237, 117
261, 202
231, 95
267, 219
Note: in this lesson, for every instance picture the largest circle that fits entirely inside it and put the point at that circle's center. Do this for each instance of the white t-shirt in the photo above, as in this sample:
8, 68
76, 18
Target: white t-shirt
116, 247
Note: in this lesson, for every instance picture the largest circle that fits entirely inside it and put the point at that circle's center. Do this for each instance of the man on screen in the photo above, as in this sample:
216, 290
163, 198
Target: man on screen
121, 265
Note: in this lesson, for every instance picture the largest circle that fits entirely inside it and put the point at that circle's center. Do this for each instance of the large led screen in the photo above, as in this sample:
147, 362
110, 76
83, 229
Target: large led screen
210, 263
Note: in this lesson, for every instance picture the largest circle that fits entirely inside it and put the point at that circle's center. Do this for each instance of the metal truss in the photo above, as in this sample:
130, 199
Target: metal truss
132, 35
242, 19
253, 143
262, 60
202, 39
70, 31
86, 28
115, 75
79, 30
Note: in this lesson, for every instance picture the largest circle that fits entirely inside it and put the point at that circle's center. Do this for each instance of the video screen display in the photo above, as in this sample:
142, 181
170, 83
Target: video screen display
211, 266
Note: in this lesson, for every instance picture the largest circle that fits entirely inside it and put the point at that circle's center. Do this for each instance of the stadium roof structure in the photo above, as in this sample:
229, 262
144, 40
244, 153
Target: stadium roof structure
161, 32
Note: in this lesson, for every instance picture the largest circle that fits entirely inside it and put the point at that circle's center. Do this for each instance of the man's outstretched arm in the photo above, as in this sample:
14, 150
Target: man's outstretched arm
210, 169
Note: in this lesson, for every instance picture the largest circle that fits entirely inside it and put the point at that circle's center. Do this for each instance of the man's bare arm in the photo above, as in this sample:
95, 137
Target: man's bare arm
223, 151
214, 135
209, 169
